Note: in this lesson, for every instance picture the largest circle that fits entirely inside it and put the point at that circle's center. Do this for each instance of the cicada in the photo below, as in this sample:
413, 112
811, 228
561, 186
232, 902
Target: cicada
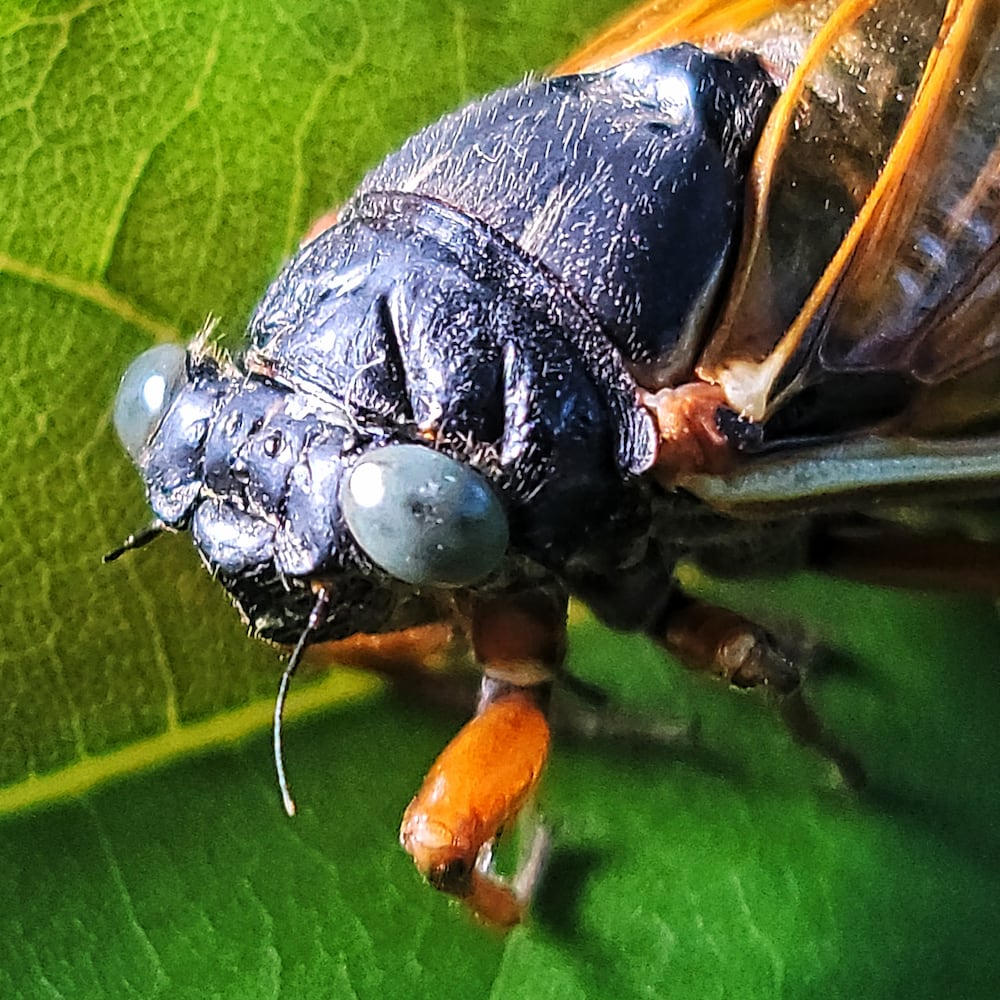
722, 289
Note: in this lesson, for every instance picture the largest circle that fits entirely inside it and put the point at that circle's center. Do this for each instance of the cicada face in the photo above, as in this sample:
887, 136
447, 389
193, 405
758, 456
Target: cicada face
241, 464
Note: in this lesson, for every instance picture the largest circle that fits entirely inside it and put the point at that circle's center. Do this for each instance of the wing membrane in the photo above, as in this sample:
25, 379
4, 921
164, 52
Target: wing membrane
846, 474
920, 294
821, 182
912, 287
820, 193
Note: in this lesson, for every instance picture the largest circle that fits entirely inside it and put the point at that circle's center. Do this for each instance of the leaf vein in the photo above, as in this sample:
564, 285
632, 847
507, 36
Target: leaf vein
296, 195
181, 742
159, 978
145, 156
93, 292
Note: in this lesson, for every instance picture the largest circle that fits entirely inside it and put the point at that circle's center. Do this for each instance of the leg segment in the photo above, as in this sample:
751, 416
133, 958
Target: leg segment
413, 652
714, 640
478, 785
488, 773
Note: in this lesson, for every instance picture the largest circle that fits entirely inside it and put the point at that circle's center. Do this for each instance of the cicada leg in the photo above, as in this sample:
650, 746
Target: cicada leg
488, 774
475, 788
714, 640
422, 650
319, 226
892, 556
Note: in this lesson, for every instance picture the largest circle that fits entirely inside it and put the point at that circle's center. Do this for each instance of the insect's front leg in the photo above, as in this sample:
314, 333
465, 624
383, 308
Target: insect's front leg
488, 773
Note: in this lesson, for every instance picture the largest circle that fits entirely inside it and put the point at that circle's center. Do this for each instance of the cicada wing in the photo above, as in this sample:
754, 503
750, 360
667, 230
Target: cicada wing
815, 171
854, 474
908, 285
918, 293
849, 72
872, 239
780, 27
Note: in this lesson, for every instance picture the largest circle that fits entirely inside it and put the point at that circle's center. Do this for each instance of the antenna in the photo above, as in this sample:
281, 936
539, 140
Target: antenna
316, 616
136, 541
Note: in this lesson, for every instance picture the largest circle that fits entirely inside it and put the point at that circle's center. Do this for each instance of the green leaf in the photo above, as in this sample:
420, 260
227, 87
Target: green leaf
160, 160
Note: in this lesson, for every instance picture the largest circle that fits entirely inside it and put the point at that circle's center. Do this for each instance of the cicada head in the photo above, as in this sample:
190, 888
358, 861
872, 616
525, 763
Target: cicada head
282, 490
254, 472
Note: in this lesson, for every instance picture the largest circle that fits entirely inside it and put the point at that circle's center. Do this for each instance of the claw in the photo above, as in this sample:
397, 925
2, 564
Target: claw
715, 640
503, 901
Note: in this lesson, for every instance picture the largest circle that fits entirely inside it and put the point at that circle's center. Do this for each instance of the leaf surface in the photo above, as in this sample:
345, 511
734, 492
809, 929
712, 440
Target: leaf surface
160, 160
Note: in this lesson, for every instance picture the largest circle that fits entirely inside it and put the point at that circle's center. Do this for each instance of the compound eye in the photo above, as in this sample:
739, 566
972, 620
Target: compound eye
146, 391
424, 517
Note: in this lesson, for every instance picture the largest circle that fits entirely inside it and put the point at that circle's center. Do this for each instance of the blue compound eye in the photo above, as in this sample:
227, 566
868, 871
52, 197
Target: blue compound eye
147, 388
423, 517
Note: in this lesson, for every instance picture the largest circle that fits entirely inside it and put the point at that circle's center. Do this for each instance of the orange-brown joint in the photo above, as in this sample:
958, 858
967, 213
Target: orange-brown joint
714, 640
520, 637
690, 439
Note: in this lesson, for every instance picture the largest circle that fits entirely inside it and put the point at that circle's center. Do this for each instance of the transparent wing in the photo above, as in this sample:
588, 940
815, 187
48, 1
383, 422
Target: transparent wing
910, 287
850, 72
710, 24
919, 290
